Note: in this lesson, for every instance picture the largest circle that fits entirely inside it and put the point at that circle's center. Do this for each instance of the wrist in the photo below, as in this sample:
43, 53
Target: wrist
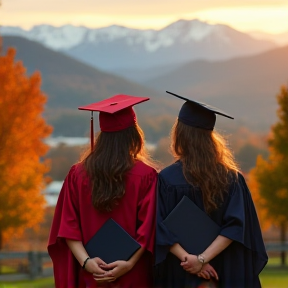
183, 257
85, 262
130, 265
202, 259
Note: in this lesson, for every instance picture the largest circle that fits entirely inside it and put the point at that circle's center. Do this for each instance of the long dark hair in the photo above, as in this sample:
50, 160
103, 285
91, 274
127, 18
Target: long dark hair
207, 161
114, 154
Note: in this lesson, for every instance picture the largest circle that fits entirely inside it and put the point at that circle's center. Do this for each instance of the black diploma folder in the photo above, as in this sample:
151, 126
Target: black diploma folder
111, 243
194, 229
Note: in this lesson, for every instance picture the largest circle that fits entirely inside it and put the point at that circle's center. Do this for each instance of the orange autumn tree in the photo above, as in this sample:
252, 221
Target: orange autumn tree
264, 218
22, 130
269, 177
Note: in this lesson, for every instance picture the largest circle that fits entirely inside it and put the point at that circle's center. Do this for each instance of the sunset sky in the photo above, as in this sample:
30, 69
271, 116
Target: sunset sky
253, 15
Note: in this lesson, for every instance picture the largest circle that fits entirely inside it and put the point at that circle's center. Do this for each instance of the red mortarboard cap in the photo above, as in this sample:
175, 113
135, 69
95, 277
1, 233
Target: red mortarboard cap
116, 113
197, 114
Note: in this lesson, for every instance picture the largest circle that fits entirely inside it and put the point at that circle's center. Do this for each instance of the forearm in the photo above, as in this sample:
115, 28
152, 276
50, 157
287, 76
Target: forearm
78, 250
216, 247
178, 251
136, 256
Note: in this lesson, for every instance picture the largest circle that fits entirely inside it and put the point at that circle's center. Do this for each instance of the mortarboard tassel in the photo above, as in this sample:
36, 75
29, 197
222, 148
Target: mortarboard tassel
92, 132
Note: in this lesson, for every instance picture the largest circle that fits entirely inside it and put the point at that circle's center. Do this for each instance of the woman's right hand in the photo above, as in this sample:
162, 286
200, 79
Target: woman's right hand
191, 264
116, 269
93, 265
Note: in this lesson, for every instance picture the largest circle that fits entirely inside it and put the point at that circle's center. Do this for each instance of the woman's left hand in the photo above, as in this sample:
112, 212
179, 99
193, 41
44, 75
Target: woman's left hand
207, 272
114, 270
191, 264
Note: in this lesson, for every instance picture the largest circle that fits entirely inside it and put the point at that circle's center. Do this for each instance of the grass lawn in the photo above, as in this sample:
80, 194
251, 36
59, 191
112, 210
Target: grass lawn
274, 277
271, 277
41, 283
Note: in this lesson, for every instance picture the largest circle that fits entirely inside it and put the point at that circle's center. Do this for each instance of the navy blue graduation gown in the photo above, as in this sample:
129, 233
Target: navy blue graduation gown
239, 265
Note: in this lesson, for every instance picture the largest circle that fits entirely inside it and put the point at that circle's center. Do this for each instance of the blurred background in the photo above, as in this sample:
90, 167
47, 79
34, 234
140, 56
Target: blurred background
58, 55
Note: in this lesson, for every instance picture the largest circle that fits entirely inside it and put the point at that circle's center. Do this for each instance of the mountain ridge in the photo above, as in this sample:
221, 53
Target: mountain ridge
118, 47
249, 83
244, 87
69, 83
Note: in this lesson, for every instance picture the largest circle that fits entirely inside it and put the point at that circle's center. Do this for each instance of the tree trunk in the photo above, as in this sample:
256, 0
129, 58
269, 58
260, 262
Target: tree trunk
1, 244
283, 242
1, 240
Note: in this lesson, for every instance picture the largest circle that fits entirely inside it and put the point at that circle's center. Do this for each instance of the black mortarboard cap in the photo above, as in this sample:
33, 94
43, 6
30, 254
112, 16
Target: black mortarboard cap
197, 114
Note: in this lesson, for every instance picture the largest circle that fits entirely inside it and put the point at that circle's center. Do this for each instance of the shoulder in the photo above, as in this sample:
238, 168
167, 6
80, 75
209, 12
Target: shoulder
142, 176
142, 169
173, 174
237, 184
77, 168
240, 177
77, 171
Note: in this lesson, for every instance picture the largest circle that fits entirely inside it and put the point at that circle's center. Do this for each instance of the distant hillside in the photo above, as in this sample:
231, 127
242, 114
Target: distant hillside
245, 87
70, 83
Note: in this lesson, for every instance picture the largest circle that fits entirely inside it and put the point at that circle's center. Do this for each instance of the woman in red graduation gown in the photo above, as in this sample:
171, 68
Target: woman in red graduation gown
207, 174
112, 181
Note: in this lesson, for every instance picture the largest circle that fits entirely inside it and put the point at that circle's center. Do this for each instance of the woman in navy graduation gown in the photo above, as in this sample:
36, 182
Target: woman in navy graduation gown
206, 172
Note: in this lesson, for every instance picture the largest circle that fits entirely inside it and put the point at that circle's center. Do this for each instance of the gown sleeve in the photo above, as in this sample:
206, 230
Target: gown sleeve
164, 238
146, 219
65, 225
240, 223
241, 262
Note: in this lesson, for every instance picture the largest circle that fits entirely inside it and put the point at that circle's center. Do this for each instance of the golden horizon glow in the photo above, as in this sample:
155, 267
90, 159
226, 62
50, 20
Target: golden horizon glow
270, 19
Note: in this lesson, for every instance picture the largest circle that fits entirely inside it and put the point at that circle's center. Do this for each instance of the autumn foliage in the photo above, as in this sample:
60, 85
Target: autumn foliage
269, 181
22, 130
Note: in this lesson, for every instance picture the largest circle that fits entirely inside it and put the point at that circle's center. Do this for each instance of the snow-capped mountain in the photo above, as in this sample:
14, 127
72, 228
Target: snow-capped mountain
116, 47
68, 36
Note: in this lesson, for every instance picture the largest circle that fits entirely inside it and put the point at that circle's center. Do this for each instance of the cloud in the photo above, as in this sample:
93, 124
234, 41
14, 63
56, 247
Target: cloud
270, 16
139, 7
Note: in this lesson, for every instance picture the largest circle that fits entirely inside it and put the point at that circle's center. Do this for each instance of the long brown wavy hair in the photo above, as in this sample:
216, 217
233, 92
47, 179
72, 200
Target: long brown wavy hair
207, 161
114, 154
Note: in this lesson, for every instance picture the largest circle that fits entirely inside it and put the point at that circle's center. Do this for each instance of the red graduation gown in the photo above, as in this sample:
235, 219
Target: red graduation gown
76, 218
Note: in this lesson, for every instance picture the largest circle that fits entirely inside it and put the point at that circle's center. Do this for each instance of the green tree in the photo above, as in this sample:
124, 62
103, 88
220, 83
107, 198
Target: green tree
271, 174
22, 130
